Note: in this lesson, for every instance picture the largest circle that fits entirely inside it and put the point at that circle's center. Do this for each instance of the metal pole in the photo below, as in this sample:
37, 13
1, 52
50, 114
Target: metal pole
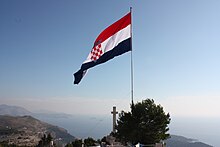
132, 73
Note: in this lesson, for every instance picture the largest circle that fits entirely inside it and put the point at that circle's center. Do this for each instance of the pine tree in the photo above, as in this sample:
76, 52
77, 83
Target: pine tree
147, 123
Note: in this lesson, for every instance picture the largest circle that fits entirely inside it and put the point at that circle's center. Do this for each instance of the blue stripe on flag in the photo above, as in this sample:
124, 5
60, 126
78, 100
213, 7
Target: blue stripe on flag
121, 48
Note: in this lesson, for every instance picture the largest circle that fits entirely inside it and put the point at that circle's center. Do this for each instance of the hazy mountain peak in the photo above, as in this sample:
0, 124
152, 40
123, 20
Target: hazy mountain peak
13, 110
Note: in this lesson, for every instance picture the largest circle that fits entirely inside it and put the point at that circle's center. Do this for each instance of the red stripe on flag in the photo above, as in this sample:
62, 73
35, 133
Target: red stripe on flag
114, 28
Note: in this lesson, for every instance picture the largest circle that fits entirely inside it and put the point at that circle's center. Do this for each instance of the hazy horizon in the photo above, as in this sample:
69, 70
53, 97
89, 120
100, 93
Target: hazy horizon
203, 129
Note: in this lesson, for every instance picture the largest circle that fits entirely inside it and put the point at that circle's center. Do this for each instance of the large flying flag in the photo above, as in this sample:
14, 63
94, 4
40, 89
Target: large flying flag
113, 41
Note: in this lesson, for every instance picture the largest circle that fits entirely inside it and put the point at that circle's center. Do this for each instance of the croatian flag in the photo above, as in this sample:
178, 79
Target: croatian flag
113, 41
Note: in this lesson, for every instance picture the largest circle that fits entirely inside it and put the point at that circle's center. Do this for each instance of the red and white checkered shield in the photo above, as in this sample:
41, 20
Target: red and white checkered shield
96, 52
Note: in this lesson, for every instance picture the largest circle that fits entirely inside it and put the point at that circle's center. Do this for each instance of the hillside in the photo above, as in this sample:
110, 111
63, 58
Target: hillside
26, 130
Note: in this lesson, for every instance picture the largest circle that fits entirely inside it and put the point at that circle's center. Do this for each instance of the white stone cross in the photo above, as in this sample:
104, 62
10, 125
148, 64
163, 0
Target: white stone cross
114, 112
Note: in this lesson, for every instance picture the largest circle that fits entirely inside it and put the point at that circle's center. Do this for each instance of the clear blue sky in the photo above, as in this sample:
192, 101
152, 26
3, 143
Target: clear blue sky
176, 55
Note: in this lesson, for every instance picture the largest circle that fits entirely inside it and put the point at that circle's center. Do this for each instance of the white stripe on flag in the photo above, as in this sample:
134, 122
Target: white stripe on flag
113, 41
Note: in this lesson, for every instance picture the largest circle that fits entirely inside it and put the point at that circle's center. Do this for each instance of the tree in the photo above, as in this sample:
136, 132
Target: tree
147, 123
89, 141
45, 140
77, 143
49, 138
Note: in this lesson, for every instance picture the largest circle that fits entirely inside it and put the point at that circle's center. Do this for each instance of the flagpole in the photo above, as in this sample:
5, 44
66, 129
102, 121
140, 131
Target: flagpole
132, 73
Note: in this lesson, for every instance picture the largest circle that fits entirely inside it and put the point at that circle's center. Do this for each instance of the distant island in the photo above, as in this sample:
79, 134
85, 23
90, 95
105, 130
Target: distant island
180, 141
